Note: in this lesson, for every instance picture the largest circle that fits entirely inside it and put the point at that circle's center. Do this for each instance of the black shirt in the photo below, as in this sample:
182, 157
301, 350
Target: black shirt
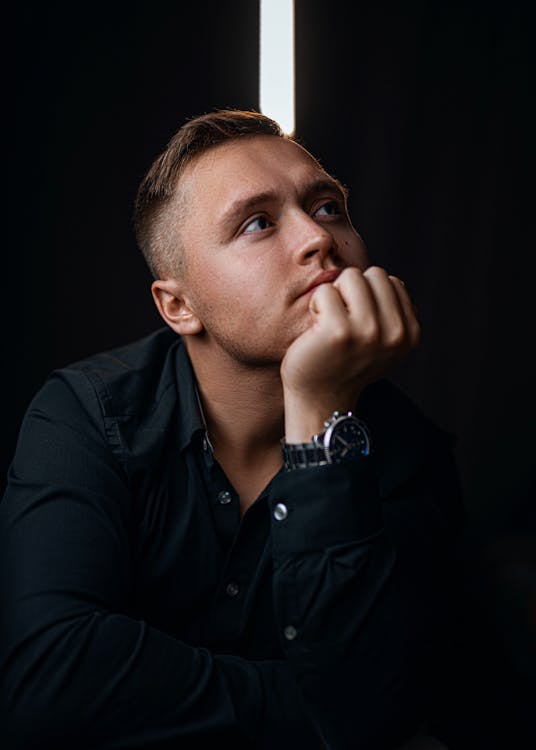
140, 610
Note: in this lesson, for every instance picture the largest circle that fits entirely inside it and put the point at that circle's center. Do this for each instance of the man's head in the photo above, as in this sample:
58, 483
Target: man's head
256, 220
158, 200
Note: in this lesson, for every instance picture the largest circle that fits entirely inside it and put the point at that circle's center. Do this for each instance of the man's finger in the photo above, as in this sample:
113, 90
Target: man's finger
359, 300
390, 313
327, 305
409, 309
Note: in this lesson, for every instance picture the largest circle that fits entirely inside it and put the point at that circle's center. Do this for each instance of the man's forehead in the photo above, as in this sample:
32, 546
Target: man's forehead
235, 169
251, 147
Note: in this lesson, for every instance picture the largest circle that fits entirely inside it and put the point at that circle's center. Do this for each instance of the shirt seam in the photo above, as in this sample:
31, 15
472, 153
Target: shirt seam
109, 419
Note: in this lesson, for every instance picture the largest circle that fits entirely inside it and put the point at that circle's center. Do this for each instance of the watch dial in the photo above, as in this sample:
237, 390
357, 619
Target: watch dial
349, 440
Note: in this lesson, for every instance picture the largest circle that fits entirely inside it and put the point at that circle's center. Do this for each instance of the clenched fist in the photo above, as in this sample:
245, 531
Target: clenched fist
362, 324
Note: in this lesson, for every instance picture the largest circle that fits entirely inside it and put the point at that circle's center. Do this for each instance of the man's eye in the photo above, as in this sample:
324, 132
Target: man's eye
331, 208
257, 225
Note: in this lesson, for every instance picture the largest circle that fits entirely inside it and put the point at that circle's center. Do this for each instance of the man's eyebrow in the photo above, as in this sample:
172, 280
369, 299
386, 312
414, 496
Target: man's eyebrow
331, 184
242, 206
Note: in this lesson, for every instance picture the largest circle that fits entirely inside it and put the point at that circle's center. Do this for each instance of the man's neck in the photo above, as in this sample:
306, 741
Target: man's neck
242, 406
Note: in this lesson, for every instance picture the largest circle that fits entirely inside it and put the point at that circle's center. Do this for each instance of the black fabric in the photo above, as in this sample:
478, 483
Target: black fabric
140, 611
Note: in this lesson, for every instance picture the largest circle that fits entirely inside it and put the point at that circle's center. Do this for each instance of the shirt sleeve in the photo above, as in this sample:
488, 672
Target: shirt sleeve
76, 670
358, 591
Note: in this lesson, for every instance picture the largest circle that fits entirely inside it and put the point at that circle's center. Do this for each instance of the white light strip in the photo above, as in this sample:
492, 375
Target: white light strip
277, 62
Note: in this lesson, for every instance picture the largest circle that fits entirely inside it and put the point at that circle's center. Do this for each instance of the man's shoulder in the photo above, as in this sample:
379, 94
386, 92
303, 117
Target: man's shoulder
126, 398
139, 356
133, 376
119, 390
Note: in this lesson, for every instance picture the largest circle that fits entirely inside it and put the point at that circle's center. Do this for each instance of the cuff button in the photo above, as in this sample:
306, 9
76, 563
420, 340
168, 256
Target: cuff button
290, 632
280, 512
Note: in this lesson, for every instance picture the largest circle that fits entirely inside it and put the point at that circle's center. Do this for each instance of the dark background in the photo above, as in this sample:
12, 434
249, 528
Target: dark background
424, 109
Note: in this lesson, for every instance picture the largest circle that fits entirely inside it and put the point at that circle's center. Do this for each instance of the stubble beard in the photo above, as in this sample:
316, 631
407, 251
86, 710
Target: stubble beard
255, 352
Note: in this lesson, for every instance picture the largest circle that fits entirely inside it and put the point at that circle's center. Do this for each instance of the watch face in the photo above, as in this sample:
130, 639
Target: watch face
346, 439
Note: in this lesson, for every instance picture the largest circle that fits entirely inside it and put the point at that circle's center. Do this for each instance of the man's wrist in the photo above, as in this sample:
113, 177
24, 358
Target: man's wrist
300, 428
305, 417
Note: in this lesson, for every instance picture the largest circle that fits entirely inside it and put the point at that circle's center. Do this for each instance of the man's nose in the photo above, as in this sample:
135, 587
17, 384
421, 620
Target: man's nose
311, 240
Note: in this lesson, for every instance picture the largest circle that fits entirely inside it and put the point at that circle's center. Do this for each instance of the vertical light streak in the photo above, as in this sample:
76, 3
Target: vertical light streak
277, 62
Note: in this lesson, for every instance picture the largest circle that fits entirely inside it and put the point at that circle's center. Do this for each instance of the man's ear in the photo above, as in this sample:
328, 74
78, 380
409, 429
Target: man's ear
174, 307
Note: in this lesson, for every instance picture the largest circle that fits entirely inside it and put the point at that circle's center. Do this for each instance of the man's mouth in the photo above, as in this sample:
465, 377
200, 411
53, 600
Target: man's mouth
324, 277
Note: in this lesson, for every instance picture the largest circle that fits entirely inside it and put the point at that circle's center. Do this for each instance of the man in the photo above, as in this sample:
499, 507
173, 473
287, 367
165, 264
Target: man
231, 531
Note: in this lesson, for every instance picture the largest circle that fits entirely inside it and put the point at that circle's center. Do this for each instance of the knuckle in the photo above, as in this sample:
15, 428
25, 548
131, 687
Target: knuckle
351, 272
396, 336
375, 271
340, 334
369, 333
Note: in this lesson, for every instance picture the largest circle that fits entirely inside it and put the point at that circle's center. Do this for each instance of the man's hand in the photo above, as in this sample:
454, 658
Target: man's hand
362, 325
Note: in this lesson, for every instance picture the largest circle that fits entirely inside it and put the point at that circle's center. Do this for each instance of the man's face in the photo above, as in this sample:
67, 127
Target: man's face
260, 220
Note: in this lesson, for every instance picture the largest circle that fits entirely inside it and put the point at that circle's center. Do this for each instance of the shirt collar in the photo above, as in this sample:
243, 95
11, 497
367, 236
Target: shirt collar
191, 420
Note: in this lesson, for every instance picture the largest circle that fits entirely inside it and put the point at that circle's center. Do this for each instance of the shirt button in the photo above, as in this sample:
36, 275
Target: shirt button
280, 512
232, 589
290, 632
224, 497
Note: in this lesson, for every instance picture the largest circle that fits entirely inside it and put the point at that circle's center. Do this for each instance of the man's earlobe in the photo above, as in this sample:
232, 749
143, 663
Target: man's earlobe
174, 307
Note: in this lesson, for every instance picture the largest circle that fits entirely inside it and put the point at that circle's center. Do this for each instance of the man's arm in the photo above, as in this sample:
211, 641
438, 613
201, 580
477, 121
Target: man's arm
355, 584
359, 594
76, 671
361, 325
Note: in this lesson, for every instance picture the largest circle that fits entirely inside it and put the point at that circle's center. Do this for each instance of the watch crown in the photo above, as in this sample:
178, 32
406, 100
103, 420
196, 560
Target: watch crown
326, 423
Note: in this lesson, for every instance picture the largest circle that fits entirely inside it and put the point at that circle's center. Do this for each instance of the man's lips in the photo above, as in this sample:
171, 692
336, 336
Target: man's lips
324, 277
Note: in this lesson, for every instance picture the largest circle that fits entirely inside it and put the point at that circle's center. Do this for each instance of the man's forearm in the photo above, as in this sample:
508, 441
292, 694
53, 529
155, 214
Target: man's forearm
103, 680
352, 603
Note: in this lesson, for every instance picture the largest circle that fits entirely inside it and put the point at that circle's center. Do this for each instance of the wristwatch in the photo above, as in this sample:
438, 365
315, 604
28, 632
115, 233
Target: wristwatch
345, 438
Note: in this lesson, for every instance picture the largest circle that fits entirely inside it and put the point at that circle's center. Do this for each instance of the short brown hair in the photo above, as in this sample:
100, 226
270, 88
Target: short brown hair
155, 236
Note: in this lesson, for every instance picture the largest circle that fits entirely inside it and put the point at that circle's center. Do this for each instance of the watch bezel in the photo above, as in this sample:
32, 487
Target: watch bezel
324, 440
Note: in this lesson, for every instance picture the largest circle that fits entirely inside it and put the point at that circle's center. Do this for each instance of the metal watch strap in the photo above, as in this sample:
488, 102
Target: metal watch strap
321, 451
303, 455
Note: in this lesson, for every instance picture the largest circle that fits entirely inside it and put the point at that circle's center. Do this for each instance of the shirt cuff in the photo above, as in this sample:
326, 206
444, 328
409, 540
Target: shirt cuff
324, 505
